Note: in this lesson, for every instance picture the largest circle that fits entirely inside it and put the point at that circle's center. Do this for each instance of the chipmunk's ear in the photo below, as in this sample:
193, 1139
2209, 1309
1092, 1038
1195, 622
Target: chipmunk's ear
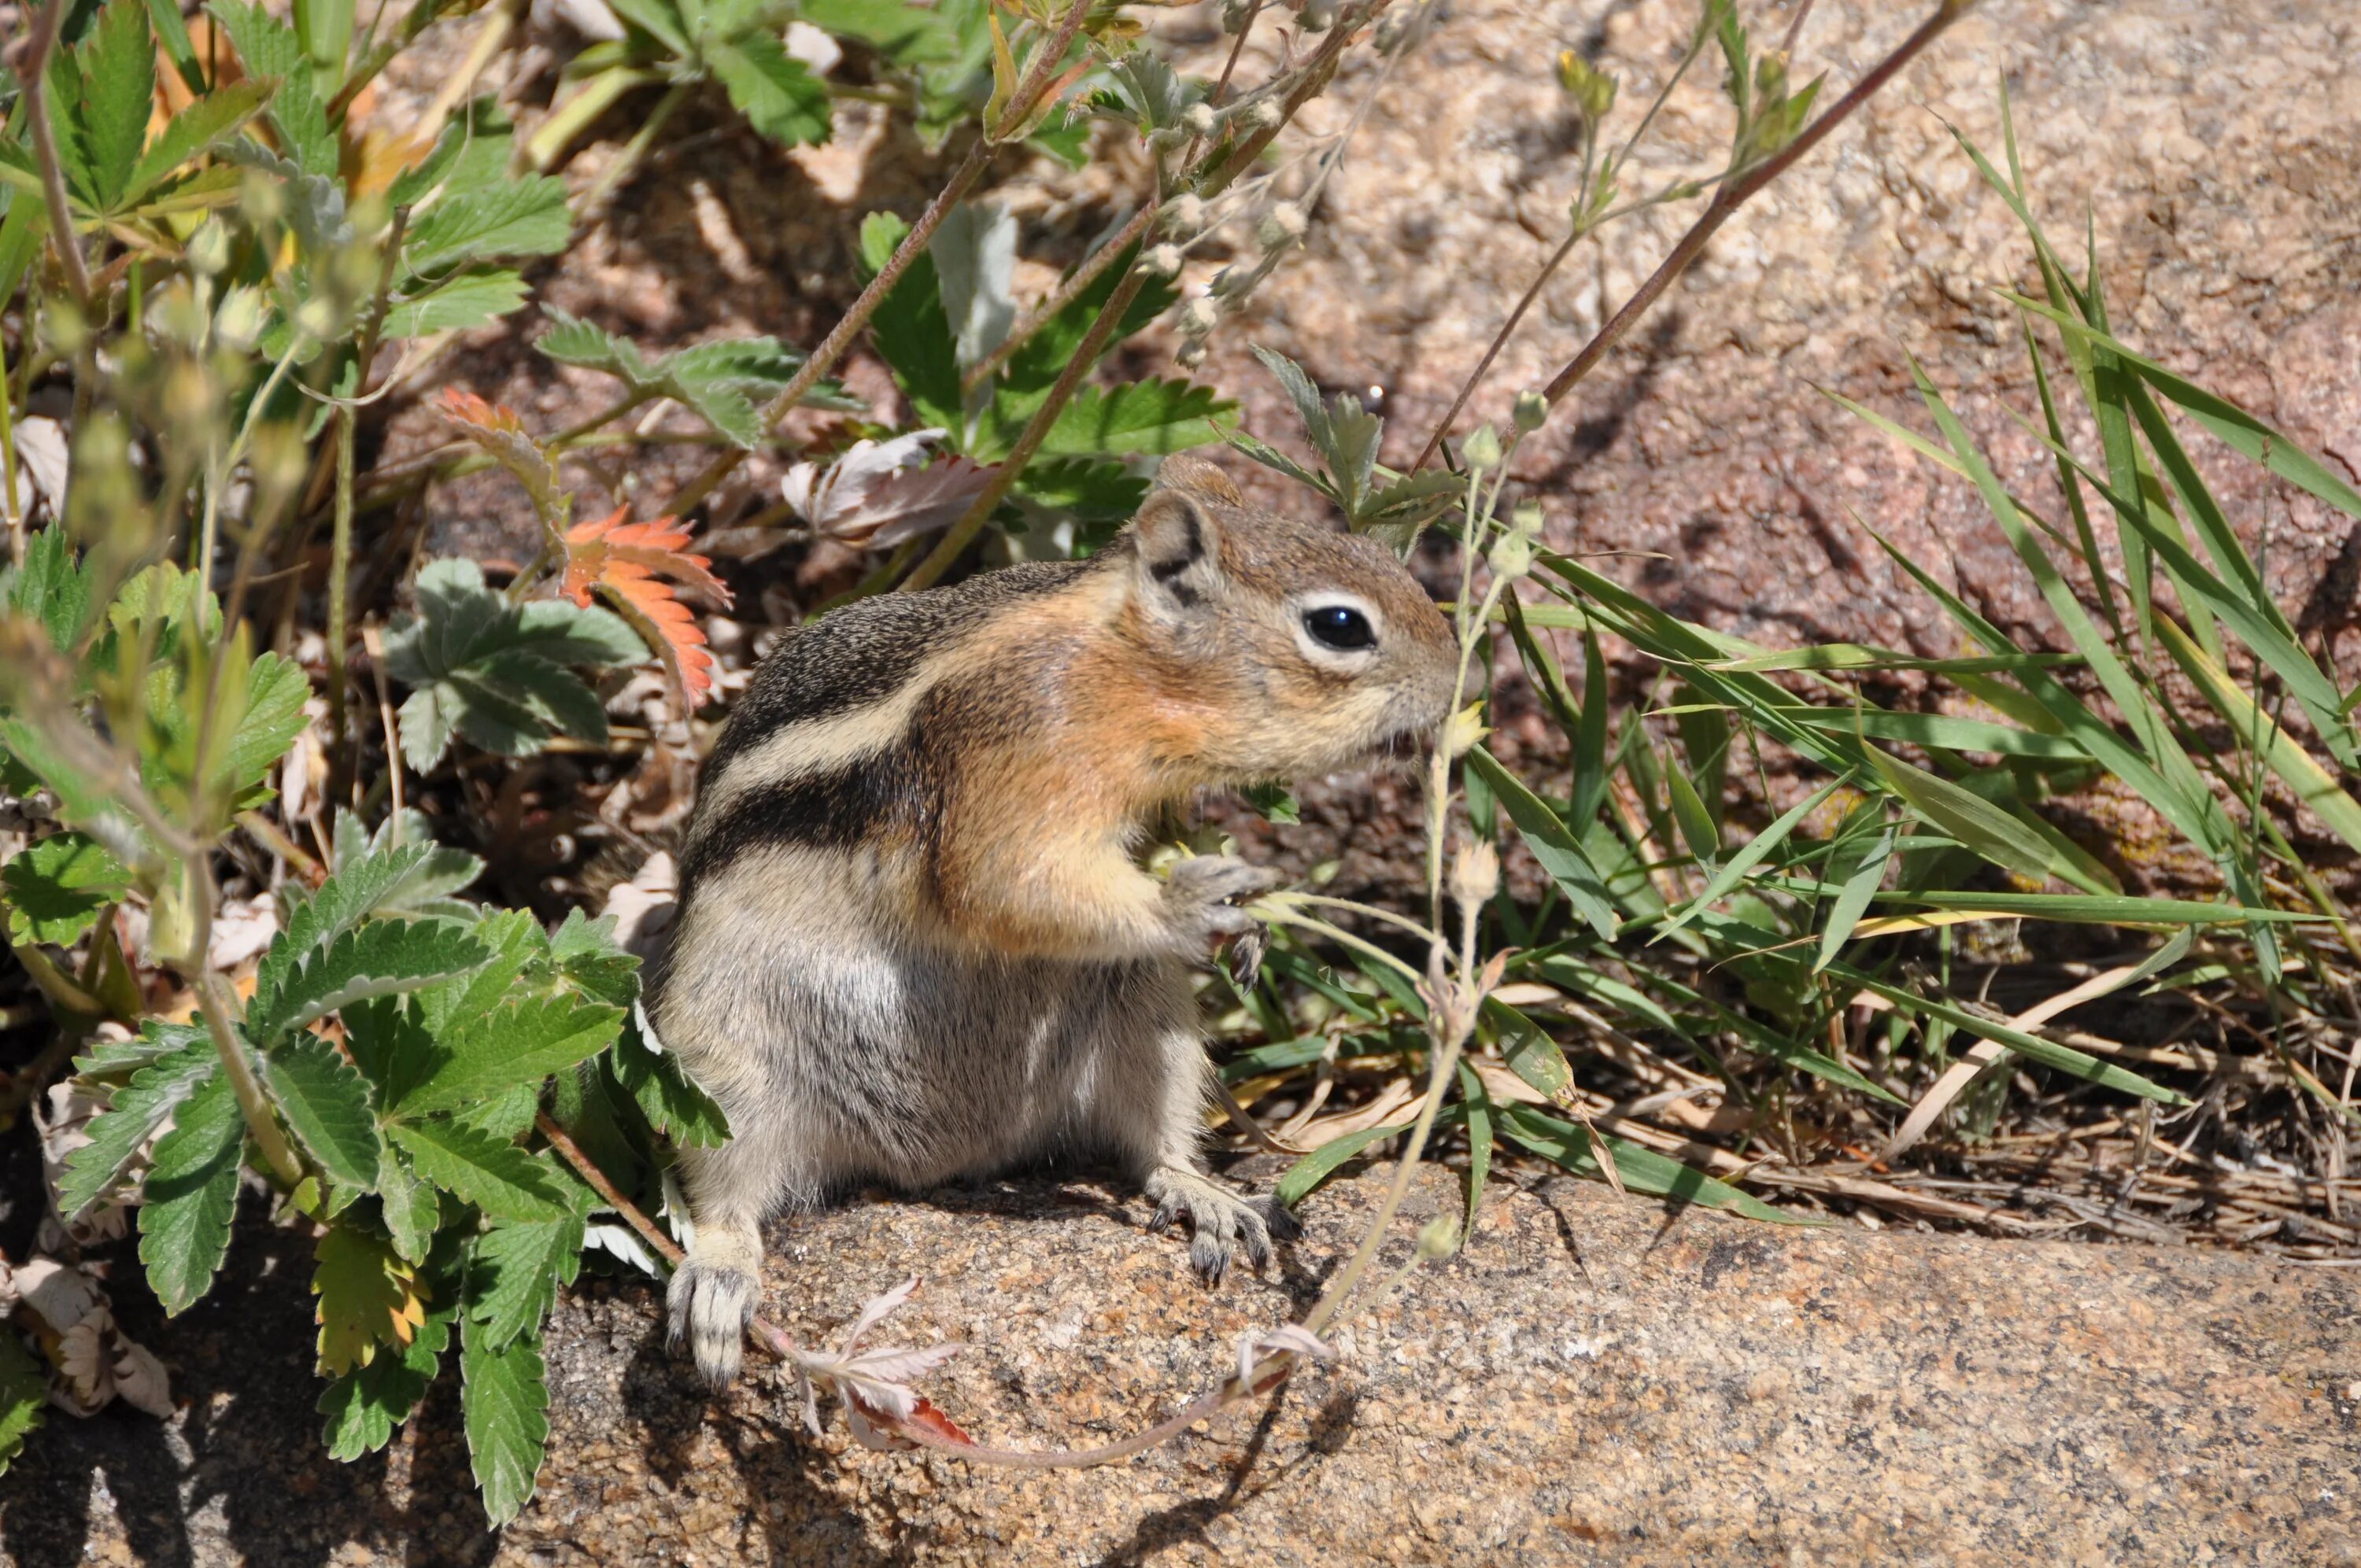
1176, 548
1187, 471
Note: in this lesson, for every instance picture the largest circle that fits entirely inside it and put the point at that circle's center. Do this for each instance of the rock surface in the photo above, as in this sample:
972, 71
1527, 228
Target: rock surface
1593, 1380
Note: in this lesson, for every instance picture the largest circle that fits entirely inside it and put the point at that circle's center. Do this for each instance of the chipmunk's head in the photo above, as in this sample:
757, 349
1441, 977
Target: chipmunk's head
1296, 647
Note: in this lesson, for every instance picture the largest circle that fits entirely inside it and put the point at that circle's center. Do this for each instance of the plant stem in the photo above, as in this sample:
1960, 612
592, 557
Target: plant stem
1066, 292
840, 339
957, 538
40, 47
1736, 195
381, 55
571, 118
588, 1168
621, 166
277, 1152
340, 549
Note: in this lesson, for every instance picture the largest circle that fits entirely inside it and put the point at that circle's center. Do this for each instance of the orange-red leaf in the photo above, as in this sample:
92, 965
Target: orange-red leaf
630, 562
500, 432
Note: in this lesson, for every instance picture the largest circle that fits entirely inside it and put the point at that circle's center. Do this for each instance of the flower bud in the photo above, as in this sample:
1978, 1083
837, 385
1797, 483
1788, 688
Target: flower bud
1189, 355
208, 248
1232, 282
1198, 317
1281, 226
1265, 115
1482, 450
1532, 412
1511, 554
1476, 874
1317, 16
1438, 1238
317, 319
1184, 214
237, 325
1160, 261
1198, 120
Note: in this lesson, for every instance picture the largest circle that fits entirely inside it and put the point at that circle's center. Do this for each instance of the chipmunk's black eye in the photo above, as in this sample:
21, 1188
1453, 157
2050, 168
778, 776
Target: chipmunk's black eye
1341, 627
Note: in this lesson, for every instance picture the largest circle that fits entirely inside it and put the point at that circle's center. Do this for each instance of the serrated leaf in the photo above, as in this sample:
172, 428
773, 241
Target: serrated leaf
502, 433
585, 952
514, 1275
276, 691
119, 75
192, 1195
131, 1117
779, 96
629, 561
56, 889
524, 1042
501, 1180
270, 49
504, 1399
326, 1103
909, 329
375, 960
367, 1297
675, 1106
51, 587
196, 131
364, 1406
464, 300
24, 1393
517, 217
570, 340
412, 1211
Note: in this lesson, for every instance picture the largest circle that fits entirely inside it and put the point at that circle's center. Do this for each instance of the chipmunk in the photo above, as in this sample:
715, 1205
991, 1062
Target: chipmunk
914, 943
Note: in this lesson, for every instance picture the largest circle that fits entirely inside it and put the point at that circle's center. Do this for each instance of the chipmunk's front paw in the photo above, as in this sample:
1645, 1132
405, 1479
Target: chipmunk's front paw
1197, 898
1221, 1223
711, 1300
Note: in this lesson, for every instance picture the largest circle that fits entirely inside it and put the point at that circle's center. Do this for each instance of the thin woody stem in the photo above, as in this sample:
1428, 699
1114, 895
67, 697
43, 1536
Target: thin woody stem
834, 346
1732, 195
1736, 195
1088, 273
955, 540
39, 47
588, 1169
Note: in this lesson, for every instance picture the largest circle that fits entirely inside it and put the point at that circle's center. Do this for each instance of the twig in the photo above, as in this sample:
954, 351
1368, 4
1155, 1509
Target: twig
957, 538
340, 547
39, 49
1066, 292
1735, 196
834, 347
588, 1168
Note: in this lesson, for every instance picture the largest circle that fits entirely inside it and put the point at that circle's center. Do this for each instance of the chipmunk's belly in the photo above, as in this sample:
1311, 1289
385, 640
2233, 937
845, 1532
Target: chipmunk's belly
935, 1068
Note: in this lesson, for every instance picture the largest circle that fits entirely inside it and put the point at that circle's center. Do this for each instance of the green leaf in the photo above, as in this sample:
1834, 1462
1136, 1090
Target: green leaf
377, 960
674, 1107
276, 691
1139, 416
780, 98
49, 587
270, 51
910, 331
326, 1103
524, 1042
1306, 1173
56, 889
464, 300
453, 652
364, 1406
505, 1401
517, 217
132, 1115
514, 1276
1479, 1139
1860, 872
661, 20
1974, 821
192, 1195
1556, 849
196, 130
410, 1208
24, 1393
501, 1180
1642, 1169
119, 73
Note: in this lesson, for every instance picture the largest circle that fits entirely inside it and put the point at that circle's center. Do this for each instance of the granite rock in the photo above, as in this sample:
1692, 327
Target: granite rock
1592, 1380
